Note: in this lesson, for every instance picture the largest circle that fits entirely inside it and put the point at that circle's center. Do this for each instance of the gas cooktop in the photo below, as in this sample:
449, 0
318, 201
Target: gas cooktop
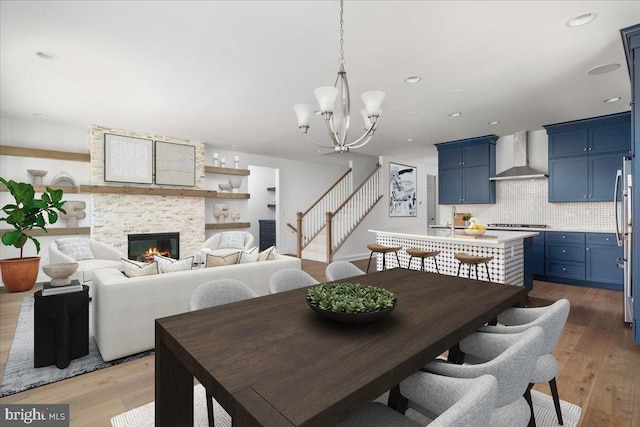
518, 225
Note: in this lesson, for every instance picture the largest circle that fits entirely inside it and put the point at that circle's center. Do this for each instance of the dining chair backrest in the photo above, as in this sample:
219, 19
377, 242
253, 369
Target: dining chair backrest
551, 319
515, 357
338, 270
288, 279
219, 292
455, 402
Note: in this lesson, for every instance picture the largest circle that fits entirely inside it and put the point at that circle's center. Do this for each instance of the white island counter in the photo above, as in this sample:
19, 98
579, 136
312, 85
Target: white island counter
506, 247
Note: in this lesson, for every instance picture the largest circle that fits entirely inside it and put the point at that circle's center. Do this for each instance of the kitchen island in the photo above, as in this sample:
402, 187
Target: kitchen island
506, 247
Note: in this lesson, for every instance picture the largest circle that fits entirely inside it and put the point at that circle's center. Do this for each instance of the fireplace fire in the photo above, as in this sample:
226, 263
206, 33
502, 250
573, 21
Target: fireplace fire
142, 247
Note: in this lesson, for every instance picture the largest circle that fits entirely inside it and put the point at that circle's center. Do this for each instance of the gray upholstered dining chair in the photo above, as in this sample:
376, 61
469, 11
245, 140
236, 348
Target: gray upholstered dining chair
288, 279
341, 270
452, 402
551, 319
214, 293
512, 359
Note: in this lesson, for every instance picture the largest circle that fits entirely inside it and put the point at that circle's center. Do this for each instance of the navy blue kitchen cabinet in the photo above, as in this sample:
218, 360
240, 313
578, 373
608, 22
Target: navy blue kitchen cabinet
537, 254
464, 169
584, 156
564, 255
601, 252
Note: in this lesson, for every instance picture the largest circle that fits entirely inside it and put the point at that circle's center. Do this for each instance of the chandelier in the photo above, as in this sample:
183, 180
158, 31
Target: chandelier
337, 122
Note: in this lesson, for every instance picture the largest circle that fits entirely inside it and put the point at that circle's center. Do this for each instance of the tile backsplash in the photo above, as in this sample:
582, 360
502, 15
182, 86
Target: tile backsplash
526, 202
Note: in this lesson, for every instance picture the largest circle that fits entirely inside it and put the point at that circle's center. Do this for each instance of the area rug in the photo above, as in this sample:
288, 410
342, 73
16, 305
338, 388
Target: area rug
144, 416
19, 373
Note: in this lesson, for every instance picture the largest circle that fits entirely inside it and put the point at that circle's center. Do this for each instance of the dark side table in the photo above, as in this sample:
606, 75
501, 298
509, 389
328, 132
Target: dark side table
60, 328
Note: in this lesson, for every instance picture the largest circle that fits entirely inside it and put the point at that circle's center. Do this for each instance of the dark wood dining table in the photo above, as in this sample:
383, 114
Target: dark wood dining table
272, 361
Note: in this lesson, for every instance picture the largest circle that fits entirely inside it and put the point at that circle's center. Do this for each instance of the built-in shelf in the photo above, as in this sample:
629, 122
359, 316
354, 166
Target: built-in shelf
222, 195
228, 171
9, 150
59, 231
227, 225
146, 191
42, 188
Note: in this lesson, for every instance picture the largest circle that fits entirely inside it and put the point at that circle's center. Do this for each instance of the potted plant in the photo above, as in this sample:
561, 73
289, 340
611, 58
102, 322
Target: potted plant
28, 212
466, 219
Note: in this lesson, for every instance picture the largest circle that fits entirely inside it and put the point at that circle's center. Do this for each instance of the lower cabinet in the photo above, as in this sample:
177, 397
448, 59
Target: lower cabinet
267, 233
586, 259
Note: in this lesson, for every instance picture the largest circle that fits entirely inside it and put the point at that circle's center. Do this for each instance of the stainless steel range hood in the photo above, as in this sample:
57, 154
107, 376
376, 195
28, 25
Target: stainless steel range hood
520, 169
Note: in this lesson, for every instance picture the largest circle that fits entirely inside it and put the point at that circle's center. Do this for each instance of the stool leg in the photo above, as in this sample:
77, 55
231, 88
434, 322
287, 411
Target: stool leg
459, 265
422, 264
370, 256
435, 261
409, 265
398, 259
384, 261
487, 268
475, 269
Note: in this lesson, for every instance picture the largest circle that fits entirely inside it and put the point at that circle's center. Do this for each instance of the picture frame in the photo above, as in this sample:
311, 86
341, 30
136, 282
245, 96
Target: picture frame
128, 159
402, 190
175, 164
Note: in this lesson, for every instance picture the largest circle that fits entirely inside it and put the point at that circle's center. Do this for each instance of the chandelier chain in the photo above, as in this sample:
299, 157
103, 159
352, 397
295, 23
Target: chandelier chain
341, 32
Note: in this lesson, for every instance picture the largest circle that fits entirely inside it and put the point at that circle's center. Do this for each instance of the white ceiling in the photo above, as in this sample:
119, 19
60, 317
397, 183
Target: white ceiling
228, 72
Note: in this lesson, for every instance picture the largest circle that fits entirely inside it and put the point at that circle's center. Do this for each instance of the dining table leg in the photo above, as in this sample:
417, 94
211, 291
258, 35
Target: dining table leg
397, 401
174, 388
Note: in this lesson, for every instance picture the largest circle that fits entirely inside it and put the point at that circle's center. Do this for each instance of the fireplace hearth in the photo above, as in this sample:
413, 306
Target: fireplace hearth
142, 247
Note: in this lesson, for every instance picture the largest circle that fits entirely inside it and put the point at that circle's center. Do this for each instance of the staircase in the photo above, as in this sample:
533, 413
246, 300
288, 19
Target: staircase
327, 224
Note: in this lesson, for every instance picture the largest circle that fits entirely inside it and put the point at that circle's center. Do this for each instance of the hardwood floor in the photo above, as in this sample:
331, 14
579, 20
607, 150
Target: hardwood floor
599, 362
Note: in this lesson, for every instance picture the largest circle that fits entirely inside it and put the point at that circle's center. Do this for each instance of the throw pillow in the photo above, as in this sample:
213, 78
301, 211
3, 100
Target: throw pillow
136, 269
246, 257
78, 249
268, 254
169, 265
232, 239
221, 260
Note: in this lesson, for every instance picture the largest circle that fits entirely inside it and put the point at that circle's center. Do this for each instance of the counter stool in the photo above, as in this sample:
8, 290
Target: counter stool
470, 260
423, 254
384, 250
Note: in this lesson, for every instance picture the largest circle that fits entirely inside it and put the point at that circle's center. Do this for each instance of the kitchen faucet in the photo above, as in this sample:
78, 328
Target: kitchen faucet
453, 221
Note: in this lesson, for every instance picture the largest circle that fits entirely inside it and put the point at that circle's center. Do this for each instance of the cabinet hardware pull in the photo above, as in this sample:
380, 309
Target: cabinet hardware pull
564, 269
564, 237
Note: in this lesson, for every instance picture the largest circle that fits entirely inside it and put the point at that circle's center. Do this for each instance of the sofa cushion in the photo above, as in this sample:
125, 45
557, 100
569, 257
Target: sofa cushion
268, 254
76, 248
169, 265
246, 257
136, 269
88, 266
232, 239
214, 260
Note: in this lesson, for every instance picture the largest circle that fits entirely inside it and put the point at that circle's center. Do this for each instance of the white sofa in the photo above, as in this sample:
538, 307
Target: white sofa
104, 256
125, 309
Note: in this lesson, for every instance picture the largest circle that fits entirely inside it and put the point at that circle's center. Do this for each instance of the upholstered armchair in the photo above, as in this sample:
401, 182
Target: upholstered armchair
90, 255
227, 239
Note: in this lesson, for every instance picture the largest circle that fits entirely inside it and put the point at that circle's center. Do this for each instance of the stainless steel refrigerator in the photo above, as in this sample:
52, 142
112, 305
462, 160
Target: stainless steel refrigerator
622, 199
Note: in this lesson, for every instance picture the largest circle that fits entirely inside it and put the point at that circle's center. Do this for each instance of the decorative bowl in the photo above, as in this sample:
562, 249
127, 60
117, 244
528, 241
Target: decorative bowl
353, 318
474, 232
235, 182
60, 272
225, 186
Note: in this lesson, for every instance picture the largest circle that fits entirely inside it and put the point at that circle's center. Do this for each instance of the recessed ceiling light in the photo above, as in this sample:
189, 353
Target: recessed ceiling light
234, 145
602, 69
456, 114
412, 113
412, 79
495, 122
457, 91
409, 139
47, 55
582, 19
614, 99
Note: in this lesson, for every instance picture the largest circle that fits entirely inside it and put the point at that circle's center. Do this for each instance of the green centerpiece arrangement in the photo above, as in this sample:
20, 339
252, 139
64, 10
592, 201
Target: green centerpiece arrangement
350, 302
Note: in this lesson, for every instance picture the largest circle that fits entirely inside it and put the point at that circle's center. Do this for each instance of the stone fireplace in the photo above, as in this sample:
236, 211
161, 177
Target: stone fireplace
142, 247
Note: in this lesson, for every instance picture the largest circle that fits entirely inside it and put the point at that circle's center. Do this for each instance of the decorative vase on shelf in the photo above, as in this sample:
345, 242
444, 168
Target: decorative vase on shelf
221, 212
37, 175
235, 183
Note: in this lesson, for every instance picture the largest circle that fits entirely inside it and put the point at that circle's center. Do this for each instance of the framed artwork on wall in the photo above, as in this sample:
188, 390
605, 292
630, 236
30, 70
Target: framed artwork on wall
128, 159
175, 164
402, 190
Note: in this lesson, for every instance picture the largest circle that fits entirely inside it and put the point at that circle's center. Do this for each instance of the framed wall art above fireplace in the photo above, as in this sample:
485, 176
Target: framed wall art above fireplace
128, 159
175, 164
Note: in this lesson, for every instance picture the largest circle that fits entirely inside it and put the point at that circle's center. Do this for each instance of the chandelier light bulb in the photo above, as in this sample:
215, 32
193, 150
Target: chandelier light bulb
326, 97
303, 113
373, 102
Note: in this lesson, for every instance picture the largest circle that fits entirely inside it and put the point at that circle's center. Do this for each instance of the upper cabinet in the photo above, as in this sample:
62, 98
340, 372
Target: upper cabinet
464, 169
585, 155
